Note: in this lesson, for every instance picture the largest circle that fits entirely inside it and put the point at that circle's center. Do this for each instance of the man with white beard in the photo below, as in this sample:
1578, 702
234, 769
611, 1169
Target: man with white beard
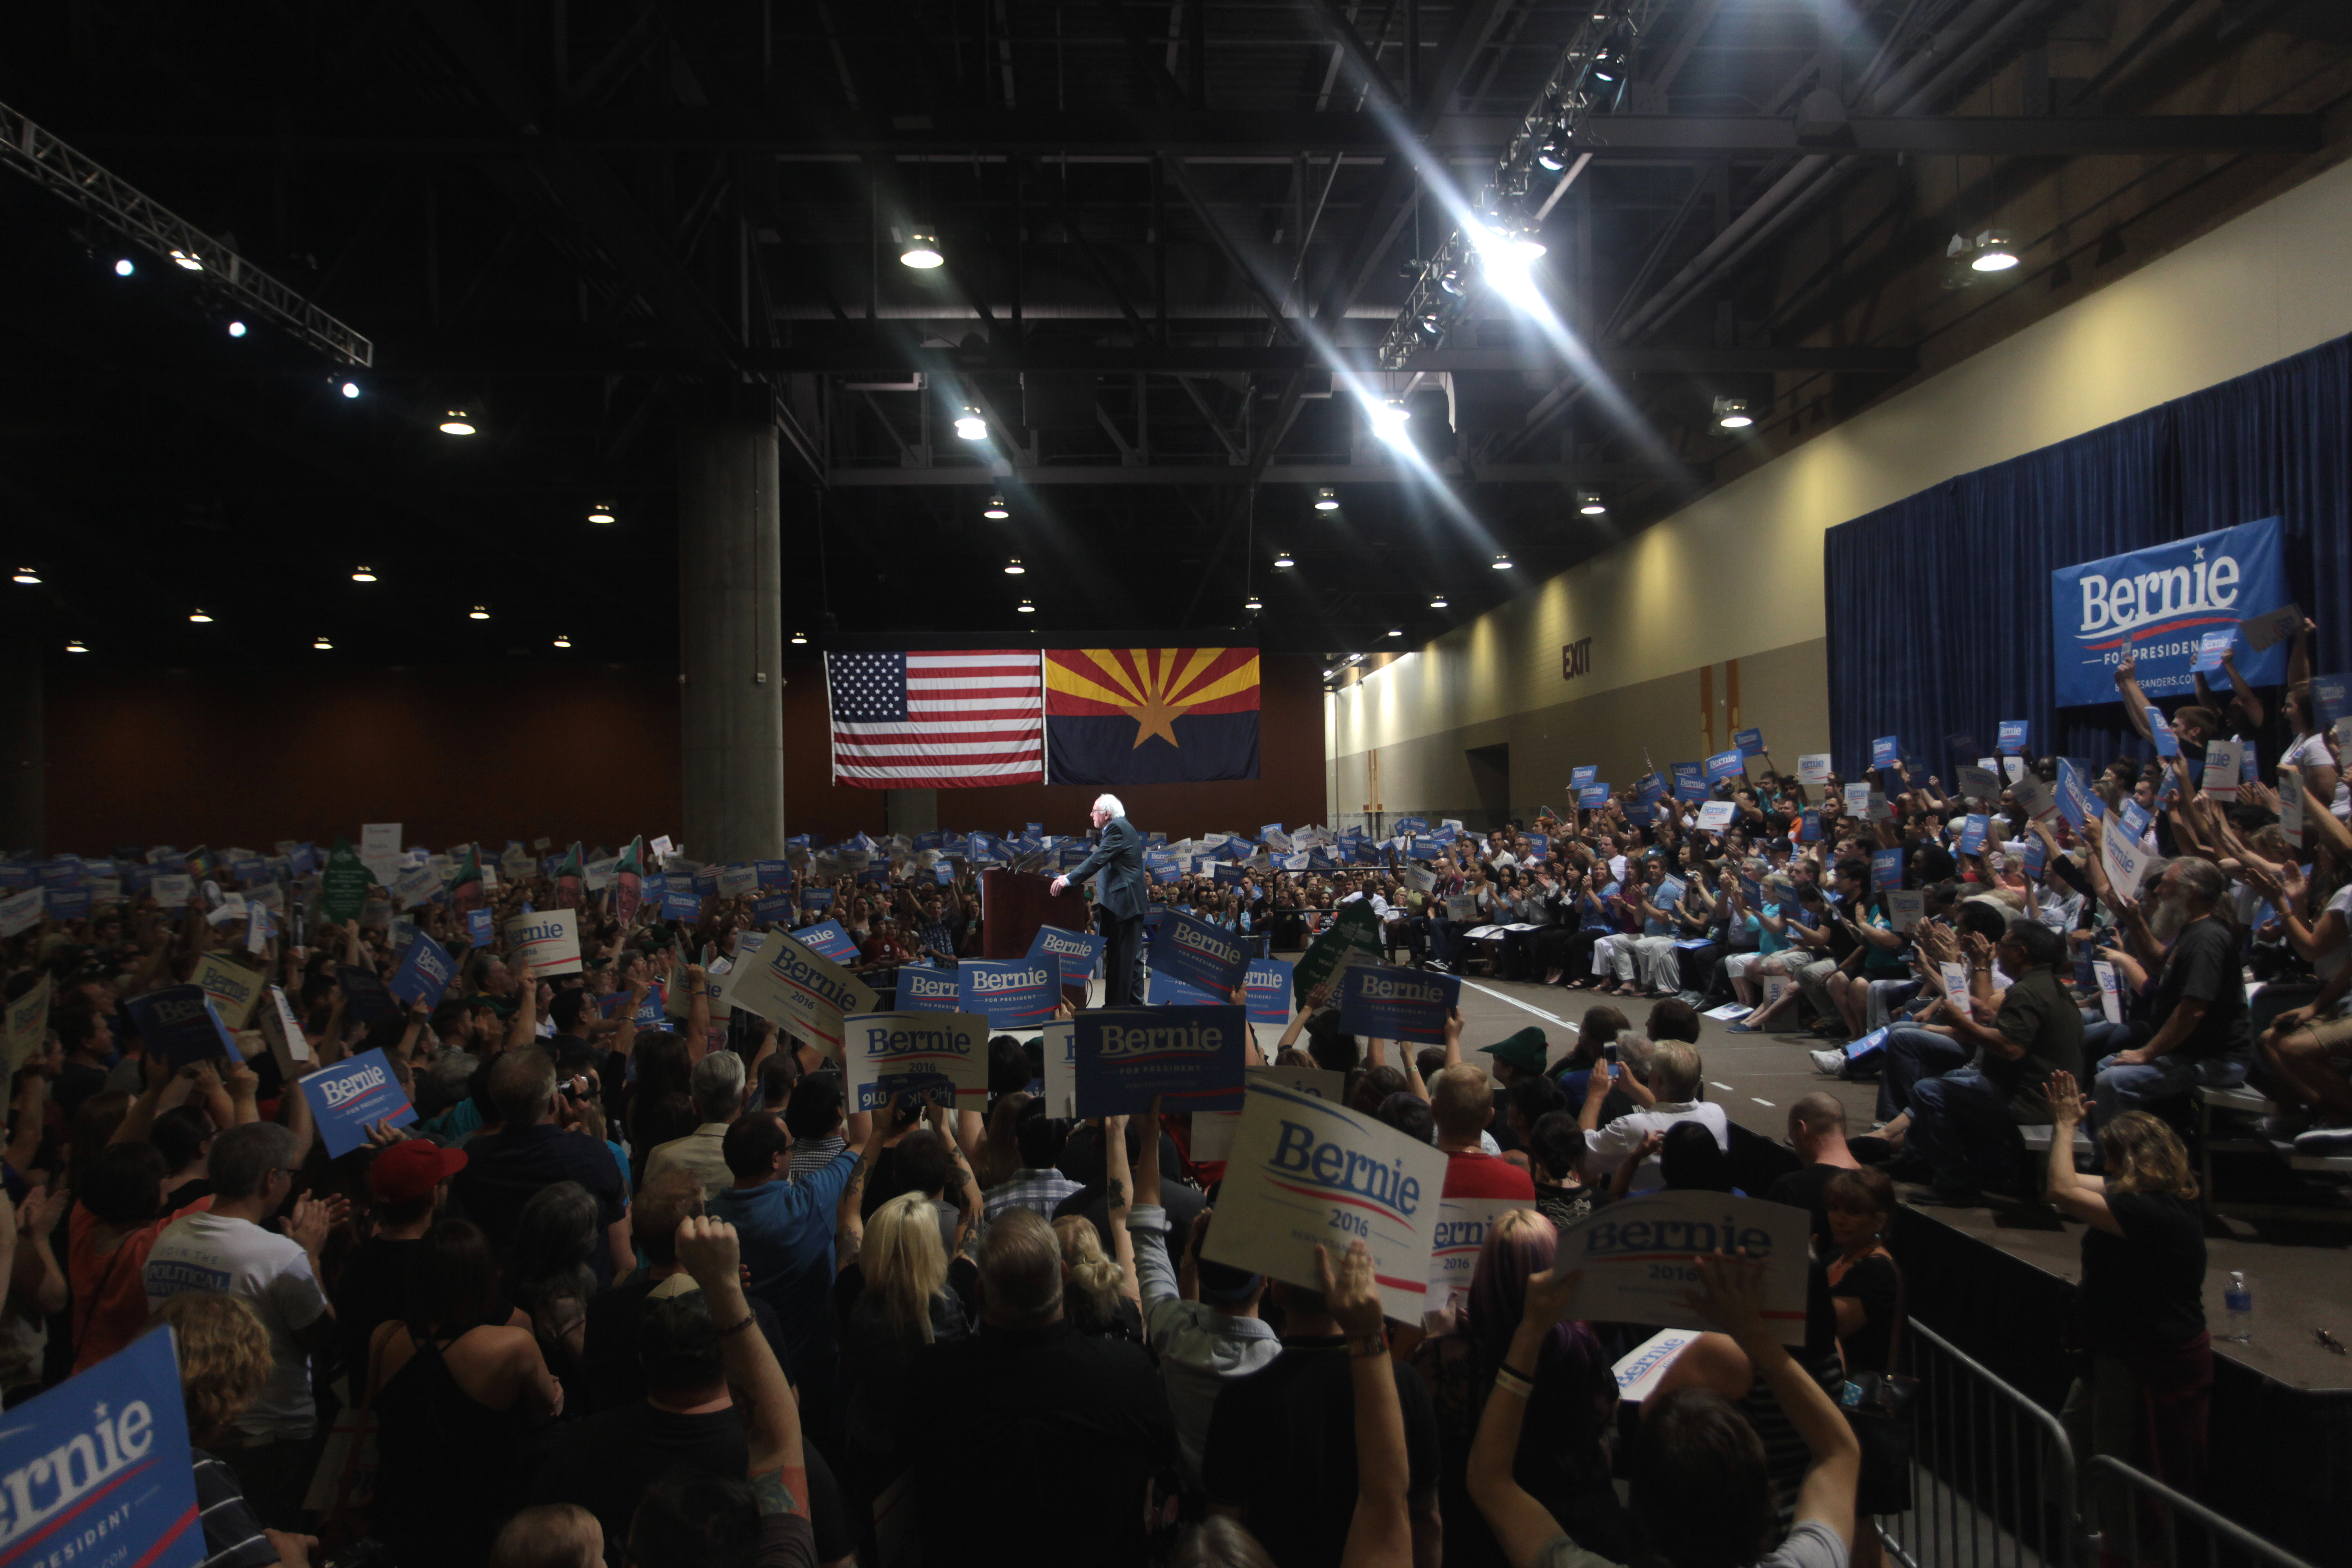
2201, 1031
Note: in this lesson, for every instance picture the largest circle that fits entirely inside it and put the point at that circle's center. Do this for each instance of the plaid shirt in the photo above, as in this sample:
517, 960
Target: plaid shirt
1040, 1191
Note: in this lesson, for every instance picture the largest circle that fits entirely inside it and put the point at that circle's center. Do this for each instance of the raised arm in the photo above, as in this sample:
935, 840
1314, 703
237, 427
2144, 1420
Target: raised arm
1120, 1193
2082, 1197
778, 1466
1380, 1533
1521, 1524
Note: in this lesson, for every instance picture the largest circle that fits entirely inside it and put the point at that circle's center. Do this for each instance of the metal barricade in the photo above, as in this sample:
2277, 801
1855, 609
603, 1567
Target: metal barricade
1992, 1474
2178, 1520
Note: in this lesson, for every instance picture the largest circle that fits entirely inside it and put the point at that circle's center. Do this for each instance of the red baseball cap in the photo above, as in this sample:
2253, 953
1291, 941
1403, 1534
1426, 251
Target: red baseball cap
412, 1168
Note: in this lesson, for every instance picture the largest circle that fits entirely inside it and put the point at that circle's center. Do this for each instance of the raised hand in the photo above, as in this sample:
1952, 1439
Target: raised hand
1353, 1300
2066, 1100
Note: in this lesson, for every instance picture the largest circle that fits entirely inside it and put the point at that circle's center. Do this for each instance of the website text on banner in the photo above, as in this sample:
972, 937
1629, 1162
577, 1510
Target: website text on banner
1192, 1057
2157, 605
349, 1097
890, 1053
1304, 1172
1381, 1002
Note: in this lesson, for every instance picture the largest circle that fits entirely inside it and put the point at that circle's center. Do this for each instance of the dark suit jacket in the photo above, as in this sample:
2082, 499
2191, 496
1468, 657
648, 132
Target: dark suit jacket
1123, 889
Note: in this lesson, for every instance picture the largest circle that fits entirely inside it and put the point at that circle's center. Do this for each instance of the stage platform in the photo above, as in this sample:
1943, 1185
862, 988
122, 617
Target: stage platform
1996, 1281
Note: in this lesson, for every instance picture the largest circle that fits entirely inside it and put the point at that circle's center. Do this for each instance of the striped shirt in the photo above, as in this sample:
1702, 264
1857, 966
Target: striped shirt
811, 1155
1040, 1191
233, 1536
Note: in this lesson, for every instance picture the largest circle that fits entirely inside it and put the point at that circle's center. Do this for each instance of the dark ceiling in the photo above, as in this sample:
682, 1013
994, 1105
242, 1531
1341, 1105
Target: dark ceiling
1175, 234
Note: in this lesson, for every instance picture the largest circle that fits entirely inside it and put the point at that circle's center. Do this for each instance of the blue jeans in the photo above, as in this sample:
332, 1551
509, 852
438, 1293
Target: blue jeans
1884, 997
1960, 1127
2127, 1087
1911, 1056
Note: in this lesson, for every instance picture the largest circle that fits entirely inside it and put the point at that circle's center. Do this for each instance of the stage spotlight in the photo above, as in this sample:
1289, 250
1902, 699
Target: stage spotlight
1437, 601
800, 639
350, 389
28, 576
996, 511
1502, 563
1731, 412
321, 643
970, 426
1996, 252
1389, 421
1327, 500
457, 422
1253, 603
183, 260
1590, 503
124, 268
922, 252
1396, 631
1025, 608
236, 329
563, 641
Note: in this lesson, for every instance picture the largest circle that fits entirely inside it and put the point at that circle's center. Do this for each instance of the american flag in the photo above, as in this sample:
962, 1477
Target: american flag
937, 720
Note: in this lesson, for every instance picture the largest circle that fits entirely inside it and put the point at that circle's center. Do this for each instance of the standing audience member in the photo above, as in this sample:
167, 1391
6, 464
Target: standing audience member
717, 1091
225, 1360
534, 1149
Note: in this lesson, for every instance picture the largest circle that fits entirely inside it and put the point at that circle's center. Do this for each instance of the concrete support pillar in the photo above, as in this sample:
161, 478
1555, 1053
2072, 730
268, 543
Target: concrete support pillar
911, 811
731, 642
23, 753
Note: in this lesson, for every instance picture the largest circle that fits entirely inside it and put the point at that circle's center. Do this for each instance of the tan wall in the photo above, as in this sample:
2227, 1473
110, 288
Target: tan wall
1737, 575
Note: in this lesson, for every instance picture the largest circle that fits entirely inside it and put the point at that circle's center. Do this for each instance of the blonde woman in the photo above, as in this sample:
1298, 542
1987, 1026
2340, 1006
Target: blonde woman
901, 1303
225, 1359
1092, 1296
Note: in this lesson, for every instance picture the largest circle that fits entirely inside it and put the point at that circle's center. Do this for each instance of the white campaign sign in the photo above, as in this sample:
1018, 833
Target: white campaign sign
284, 1032
1214, 1131
1304, 1171
1644, 1368
2036, 795
1636, 1256
886, 1052
2224, 759
723, 982
1716, 815
2111, 1000
793, 984
1905, 910
1813, 769
1059, 1042
1981, 784
415, 888
1462, 1227
20, 912
2127, 860
545, 943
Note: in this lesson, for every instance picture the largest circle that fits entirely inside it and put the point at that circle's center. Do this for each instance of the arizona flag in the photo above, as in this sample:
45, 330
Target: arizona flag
1150, 715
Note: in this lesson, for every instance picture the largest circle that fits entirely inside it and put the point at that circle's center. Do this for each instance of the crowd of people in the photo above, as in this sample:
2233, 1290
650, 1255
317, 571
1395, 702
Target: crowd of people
638, 1285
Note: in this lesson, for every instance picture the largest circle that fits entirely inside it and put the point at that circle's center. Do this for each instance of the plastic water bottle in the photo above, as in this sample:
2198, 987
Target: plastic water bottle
2238, 1301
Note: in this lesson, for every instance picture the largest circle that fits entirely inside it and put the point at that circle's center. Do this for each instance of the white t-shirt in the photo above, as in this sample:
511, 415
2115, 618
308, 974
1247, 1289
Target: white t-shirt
1610, 1144
209, 1252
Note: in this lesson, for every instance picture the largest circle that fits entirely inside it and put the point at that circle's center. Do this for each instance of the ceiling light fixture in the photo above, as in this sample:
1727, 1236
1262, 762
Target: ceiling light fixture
457, 422
350, 389
1282, 558
1025, 608
1253, 603
562, 640
28, 576
362, 573
1396, 631
996, 511
124, 268
77, 646
321, 643
1389, 421
800, 639
1731, 412
478, 614
970, 426
922, 252
1327, 500
1437, 601
1502, 563
1995, 252
600, 513
1013, 568
184, 259
1590, 503
200, 618
236, 329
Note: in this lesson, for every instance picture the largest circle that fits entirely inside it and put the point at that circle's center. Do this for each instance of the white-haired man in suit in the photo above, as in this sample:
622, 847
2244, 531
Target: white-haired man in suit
1120, 896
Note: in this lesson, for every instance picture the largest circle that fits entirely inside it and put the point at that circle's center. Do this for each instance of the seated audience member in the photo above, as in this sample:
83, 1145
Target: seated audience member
453, 1383
534, 1148
1461, 1104
2202, 1032
1817, 1133
1700, 1491
717, 1092
1671, 1096
2139, 1307
1961, 1131
225, 1359
1028, 1383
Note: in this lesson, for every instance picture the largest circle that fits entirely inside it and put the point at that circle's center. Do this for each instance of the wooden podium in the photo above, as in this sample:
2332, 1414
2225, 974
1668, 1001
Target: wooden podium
1015, 903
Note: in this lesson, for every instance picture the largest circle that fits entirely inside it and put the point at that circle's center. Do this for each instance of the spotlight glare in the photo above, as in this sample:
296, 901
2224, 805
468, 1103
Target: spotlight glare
350, 389
600, 513
970, 426
362, 573
124, 268
1590, 503
77, 646
1995, 252
182, 258
457, 422
922, 252
236, 329
996, 511
1327, 500
1013, 568
478, 614
1396, 631
28, 576
1389, 422
1732, 414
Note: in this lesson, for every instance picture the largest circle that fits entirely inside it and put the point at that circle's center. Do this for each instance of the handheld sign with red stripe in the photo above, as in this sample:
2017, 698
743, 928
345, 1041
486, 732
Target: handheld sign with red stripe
1636, 1257
890, 1053
790, 983
1304, 1171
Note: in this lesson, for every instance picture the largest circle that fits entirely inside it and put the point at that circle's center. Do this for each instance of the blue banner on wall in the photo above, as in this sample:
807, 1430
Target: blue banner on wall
2158, 604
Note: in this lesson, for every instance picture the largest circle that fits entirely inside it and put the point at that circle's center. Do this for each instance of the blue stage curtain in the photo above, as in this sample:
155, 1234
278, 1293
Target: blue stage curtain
1940, 604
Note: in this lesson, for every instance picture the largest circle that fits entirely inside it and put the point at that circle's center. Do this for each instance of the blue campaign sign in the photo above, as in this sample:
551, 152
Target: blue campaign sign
349, 1097
775, 876
680, 906
1591, 796
250, 870
2331, 695
1193, 1058
1421, 825
1267, 983
2135, 818
1690, 782
773, 909
2157, 605
1075, 951
1229, 875
827, 940
1206, 957
1725, 765
2075, 796
1578, 777
816, 898
2168, 744
1381, 1002
1809, 826
1973, 833
479, 927
1014, 994
182, 1021
1885, 751
424, 973
369, 1002
1885, 868
99, 1468
2211, 649
2037, 856
923, 989
1750, 742
1650, 790
2015, 734
1159, 991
